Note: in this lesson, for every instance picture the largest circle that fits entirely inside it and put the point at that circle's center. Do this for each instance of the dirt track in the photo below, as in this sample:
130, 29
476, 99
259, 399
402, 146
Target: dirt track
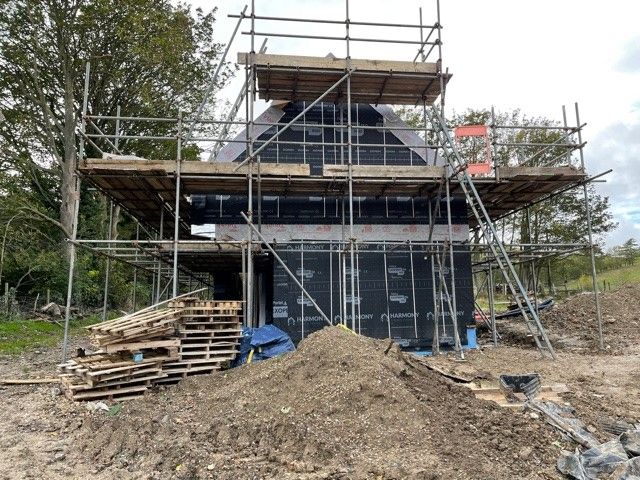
339, 407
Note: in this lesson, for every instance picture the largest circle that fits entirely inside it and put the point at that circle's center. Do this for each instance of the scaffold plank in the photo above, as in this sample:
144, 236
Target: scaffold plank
141, 185
293, 77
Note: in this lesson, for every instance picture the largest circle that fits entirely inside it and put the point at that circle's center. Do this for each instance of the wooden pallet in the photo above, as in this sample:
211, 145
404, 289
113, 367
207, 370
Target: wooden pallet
154, 325
189, 337
170, 345
496, 395
175, 376
194, 365
79, 392
109, 376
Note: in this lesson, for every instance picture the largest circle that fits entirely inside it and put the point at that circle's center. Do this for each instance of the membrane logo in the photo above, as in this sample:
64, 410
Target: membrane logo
350, 298
445, 269
348, 271
397, 297
397, 271
305, 273
302, 300
280, 309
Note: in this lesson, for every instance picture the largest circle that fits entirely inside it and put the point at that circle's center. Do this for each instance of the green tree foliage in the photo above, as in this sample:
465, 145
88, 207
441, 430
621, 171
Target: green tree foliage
628, 252
152, 58
561, 219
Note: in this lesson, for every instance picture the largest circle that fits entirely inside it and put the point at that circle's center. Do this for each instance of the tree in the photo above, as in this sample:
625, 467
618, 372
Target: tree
628, 251
561, 219
150, 57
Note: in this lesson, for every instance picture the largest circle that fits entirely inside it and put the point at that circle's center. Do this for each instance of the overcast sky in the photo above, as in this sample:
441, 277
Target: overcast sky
536, 56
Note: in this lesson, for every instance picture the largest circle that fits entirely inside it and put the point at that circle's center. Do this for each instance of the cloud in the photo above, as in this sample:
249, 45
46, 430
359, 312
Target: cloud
629, 62
617, 147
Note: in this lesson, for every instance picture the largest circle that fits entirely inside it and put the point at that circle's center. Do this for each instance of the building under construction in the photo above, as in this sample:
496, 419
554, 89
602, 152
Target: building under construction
327, 207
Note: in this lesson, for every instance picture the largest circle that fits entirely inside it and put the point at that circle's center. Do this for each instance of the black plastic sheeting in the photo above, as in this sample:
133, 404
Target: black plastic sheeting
564, 418
395, 297
631, 442
514, 311
613, 460
609, 460
225, 209
322, 151
617, 459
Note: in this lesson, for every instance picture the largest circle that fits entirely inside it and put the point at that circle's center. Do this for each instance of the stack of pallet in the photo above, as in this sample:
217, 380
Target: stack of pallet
110, 376
209, 333
139, 332
140, 350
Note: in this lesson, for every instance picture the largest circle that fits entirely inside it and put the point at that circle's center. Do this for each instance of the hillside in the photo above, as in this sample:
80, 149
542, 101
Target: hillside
613, 278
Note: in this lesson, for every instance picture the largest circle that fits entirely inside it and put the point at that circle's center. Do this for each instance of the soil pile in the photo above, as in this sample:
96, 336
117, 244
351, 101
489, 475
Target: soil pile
341, 407
571, 324
573, 321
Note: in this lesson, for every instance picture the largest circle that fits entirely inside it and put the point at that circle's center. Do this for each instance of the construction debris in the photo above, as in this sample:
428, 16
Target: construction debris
617, 458
137, 351
52, 309
527, 384
27, 381
563, 418
498, 395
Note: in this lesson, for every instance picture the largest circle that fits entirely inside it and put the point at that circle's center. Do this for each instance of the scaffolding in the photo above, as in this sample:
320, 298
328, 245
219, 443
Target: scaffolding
155, 192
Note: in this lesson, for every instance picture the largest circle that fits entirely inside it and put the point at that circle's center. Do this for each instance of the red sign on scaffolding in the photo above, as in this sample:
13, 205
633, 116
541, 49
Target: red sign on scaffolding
480, 164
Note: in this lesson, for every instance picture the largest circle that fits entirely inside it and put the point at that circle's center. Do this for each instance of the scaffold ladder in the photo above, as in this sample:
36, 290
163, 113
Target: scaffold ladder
458, 167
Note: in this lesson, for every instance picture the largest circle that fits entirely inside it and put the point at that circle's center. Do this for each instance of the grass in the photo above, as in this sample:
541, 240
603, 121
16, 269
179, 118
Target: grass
17, 336
611, 278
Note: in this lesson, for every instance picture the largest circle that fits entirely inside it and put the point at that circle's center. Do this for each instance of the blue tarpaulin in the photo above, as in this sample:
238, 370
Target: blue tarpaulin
266, 342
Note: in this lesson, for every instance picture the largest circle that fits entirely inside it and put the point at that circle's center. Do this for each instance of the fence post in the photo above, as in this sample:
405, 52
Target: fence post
35, 304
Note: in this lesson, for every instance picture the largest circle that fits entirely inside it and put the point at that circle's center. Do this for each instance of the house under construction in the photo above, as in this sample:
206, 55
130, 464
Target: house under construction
328, 208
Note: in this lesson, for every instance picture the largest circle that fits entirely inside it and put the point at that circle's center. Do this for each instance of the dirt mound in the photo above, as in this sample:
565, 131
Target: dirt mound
341, 407
573, 321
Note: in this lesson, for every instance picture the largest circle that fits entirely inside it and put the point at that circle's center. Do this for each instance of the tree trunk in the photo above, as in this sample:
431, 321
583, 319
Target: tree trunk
116, 221
69, 187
